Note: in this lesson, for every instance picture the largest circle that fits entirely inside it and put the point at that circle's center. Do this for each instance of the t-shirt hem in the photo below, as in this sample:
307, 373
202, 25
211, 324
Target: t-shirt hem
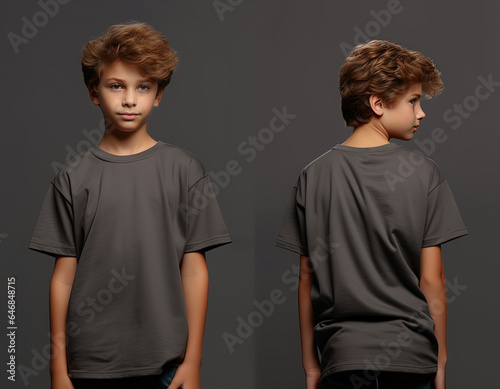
445, 238
362, 366
288, 245
208, 244
51, 250
115, 373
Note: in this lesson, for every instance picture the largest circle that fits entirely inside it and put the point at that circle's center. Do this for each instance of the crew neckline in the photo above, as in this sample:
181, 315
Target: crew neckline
104, 155
387, 146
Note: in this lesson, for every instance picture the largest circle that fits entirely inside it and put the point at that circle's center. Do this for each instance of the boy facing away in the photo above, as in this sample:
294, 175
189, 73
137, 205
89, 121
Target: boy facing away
129, 222
368, 218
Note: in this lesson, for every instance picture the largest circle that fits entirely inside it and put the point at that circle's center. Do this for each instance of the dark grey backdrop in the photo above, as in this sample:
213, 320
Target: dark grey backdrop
237, 69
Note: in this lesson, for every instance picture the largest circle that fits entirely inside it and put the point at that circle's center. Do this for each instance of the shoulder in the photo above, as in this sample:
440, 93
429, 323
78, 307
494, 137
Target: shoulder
317, 166
188, 160
426, 165
73, 167
402, 158
320, 162
311, 174
435, 175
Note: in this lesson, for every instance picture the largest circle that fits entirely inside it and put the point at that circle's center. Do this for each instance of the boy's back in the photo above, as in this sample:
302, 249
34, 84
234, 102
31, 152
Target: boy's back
362, 216
128, 219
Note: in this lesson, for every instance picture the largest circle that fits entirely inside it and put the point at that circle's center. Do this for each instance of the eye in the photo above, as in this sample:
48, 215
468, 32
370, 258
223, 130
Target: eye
112, 86
413, 101
146, 87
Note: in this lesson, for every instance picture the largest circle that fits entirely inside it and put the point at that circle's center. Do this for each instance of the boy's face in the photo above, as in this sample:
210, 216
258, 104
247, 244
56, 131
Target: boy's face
124, 89
403, 117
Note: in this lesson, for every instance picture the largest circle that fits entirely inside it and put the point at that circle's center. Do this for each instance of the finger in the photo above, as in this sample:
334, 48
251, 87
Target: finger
174, 385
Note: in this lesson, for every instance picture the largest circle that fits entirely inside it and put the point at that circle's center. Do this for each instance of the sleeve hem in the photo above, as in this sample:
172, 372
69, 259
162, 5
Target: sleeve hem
208, 244
280, 242
445, 238
52, 250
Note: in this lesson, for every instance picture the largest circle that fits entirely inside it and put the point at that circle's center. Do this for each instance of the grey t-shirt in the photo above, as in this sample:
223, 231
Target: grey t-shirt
128, 220
362, 215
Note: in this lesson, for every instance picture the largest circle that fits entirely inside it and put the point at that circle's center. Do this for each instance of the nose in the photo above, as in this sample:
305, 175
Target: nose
129, 97
420, 114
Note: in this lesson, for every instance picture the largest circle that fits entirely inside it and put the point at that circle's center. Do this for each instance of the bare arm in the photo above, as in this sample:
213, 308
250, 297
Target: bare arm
60, 290
194, 276
310, 360
433, 285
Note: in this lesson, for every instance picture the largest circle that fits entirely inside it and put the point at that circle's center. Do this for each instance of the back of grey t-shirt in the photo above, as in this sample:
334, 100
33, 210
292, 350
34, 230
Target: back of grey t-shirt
362, 216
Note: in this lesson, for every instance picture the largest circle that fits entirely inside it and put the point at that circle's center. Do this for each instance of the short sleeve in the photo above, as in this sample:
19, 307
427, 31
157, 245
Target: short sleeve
53, 234
443, 220
292, 234
206, 229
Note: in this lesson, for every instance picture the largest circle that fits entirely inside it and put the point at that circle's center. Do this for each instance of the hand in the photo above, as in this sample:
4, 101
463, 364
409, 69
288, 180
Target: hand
187, 376
313, 379
440, 379
61, 381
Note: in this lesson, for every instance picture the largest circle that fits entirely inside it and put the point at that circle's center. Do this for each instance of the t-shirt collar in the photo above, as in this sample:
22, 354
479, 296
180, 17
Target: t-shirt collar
104, 155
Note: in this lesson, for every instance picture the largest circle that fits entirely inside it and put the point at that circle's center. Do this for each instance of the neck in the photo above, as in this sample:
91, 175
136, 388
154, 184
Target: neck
368, 135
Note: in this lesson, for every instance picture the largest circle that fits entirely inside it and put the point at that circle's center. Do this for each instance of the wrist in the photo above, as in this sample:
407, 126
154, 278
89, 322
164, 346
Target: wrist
314, 372
311, 368
58, 373
192, 361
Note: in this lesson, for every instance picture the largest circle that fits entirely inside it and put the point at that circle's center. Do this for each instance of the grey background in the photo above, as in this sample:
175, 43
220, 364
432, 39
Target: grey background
232, 73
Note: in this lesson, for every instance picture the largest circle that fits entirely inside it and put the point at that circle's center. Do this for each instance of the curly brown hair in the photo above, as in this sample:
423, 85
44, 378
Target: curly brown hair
133, 42
384, 69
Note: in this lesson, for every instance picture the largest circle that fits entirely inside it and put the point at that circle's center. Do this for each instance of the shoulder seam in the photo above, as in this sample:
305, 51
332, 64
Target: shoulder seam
201, 178
80, 155
439, 183
61, 193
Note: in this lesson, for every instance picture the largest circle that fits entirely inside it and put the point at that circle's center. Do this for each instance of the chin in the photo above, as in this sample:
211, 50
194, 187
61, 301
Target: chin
405, 137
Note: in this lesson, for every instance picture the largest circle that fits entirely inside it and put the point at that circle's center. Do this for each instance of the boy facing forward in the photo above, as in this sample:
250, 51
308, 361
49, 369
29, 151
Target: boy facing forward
129, 222
368, 218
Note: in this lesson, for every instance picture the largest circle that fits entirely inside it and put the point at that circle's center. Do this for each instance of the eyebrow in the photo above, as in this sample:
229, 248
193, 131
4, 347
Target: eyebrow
120, 80
416, 94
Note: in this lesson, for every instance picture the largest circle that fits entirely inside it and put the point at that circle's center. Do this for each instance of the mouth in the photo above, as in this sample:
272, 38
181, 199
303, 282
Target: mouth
129, 115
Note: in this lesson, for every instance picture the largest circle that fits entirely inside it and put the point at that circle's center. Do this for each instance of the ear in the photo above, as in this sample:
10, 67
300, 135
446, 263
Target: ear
94, 96
376, 104
159, 94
